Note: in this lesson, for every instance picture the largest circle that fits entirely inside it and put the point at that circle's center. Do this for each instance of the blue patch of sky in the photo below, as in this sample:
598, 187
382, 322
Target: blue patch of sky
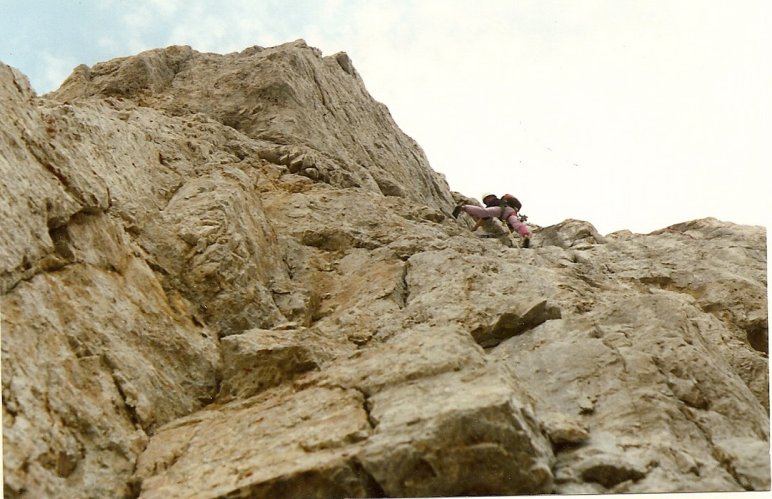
46, 39
36, 33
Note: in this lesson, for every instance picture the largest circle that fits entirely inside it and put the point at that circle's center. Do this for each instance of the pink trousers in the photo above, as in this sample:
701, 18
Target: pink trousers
510, 215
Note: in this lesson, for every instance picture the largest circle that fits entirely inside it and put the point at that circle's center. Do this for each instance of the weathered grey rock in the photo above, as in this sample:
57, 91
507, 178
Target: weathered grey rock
232, 275
639, 367
563, 430
497, 446
575, 234
492, 295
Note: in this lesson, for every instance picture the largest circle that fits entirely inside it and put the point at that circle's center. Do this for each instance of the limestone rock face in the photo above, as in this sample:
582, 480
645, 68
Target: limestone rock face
234, 276
308, 113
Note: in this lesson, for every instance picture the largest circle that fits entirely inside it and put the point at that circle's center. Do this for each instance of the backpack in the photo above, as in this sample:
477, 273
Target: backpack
511, 201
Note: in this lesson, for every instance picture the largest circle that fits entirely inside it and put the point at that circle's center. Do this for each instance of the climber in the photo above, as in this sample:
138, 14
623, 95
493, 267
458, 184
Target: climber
506, 209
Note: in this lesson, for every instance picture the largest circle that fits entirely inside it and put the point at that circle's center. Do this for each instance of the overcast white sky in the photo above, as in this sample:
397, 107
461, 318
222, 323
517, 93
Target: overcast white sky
630, 114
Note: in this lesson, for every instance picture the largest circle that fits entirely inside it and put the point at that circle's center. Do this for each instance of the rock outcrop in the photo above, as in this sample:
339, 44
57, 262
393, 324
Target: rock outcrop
234, 276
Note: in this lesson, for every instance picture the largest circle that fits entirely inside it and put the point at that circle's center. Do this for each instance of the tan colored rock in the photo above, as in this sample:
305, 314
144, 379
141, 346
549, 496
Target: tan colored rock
289, 95
563, 430
95, 353
234, 275
432, 425
213, 241
259, 359
297, 445
33, 197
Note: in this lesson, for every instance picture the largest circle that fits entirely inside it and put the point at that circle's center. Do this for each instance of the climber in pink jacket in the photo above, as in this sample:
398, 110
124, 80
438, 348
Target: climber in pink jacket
505, 209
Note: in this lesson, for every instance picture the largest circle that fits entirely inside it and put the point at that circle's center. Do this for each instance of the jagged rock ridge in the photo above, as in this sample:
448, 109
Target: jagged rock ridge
233, 275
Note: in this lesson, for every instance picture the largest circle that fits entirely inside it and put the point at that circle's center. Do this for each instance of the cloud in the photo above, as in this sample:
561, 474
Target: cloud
55, 70
223, 26
653, 101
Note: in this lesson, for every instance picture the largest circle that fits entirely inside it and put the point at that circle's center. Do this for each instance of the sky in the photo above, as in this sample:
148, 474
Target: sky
629, 114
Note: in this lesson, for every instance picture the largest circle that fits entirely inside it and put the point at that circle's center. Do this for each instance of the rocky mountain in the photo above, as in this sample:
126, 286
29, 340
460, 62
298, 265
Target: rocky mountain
234, 276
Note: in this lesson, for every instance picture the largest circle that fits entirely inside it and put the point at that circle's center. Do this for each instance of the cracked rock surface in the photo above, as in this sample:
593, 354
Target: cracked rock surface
234, 276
